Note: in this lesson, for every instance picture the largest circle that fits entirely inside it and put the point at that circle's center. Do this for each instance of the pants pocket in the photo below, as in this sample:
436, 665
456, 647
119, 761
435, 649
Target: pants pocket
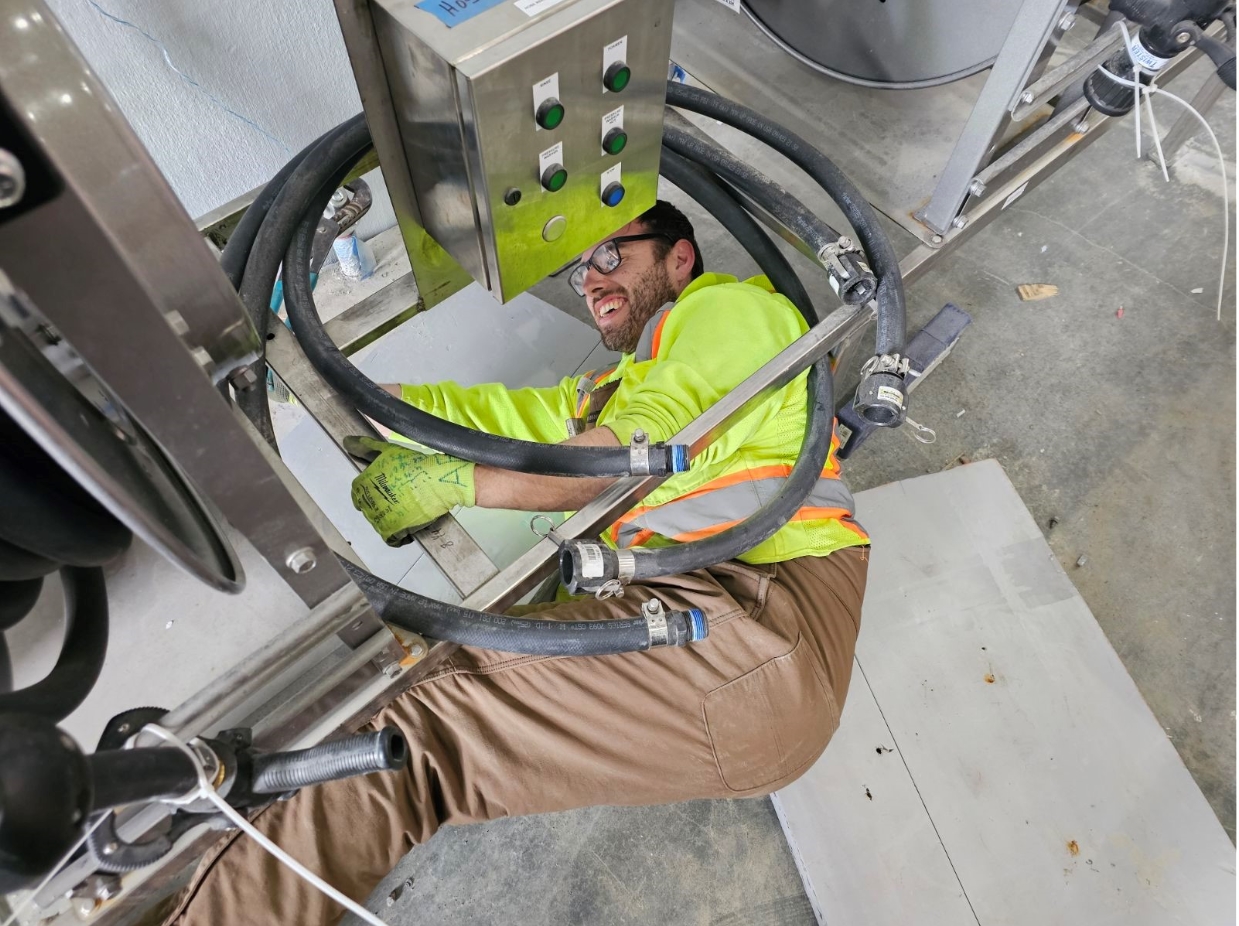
772, 722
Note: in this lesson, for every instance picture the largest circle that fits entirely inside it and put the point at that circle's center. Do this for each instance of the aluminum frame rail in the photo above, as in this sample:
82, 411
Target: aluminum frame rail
1017, 89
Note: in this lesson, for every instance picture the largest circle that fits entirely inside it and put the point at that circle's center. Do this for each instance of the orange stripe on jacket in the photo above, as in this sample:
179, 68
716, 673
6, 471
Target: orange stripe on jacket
773, 471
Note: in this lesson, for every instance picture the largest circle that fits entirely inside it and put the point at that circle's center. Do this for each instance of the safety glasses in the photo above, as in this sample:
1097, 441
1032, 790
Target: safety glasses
606, 258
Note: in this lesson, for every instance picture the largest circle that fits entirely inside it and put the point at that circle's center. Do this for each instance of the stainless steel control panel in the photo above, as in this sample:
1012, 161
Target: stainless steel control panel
517, 134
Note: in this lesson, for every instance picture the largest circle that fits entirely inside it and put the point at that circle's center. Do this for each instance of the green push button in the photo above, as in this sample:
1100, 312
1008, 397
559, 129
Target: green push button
616, 77
550, 113
554, 178
614, 141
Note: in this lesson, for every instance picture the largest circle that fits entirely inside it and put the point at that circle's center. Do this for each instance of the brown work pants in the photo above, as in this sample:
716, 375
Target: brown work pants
741, 713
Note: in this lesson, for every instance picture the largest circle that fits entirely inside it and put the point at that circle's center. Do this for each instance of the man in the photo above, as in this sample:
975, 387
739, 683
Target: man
738, 714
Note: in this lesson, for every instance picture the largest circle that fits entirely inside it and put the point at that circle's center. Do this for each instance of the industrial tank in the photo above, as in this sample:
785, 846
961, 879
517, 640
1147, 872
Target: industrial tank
896, 44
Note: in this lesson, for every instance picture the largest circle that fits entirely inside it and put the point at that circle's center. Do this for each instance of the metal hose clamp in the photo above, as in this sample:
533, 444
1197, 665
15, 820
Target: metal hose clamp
846, 271
639, 454
656, 621
886, 363
626, 563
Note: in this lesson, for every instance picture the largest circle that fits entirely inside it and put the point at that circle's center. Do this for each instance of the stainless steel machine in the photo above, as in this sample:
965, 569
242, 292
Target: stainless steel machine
895, 46
519, 135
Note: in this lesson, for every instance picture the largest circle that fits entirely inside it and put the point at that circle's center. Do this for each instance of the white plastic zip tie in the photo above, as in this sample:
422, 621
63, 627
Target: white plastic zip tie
1221, 162
1157, 135
17, 911
204, 790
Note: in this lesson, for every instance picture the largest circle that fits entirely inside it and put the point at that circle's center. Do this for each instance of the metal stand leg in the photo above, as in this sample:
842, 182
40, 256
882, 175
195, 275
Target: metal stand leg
1037, 27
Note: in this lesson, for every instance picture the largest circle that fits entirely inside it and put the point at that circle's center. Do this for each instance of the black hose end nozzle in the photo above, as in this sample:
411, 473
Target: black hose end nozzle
860, 285
586, 566
278, 773
881, 397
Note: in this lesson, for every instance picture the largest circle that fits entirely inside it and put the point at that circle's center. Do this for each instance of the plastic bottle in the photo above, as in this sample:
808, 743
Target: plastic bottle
356, 257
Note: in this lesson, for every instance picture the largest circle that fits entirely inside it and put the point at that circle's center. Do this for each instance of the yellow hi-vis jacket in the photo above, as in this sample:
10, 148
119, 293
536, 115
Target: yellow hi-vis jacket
691, 354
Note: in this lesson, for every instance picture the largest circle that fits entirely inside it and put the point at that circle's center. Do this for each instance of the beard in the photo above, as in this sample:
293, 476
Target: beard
648, 295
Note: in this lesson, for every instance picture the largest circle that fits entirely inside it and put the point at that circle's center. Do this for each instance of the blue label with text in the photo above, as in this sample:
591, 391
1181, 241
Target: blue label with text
454, 12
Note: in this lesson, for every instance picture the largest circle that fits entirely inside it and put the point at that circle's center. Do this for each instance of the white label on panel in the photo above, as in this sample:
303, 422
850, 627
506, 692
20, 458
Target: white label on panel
616, 51
534, 7
733, 5
613, 120
546, 88
609, 176
552, 155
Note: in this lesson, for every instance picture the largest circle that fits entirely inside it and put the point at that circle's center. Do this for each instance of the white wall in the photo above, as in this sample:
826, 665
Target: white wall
258, 79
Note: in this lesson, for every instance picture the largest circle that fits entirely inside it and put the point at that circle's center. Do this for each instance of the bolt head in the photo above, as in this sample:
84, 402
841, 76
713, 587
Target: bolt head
243, 379
1027, 96
976, 188
960, 221
936, 239
1068, 20
1183, 37
12, 179
301, 561
417, 650
1081, 126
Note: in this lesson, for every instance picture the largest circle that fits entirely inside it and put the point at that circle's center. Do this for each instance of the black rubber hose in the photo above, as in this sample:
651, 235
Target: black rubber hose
819, 424
17, 599
444, 436
18, 564
781, 204
437, 619
766, 521
45, 512
347, 141
130, 776
697, 183
892, 315
442, 621
361, 754
236, 253
81, 655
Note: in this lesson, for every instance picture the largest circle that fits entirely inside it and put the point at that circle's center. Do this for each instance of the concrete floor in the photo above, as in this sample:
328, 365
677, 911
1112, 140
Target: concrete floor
1120, 428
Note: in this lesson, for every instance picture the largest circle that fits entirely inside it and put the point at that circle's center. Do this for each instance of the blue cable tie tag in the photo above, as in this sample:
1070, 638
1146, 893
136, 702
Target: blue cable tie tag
454, 12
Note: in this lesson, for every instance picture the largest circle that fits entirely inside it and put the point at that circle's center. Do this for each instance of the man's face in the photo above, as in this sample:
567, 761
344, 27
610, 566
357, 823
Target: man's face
623, 300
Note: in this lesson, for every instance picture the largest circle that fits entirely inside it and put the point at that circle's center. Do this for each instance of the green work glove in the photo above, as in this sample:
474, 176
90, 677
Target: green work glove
402, 491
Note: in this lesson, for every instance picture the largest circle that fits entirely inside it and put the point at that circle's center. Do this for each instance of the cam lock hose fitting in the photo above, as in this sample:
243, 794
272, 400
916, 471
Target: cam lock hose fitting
585, 566
881, 396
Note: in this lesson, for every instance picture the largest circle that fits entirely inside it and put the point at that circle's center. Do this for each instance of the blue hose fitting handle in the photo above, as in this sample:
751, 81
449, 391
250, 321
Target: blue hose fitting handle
679, 458
697, 627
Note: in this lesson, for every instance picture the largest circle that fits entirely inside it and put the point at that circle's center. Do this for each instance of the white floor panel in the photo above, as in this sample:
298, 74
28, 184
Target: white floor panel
1050, 786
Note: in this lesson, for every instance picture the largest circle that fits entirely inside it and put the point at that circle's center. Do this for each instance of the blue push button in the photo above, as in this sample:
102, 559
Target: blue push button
613, 194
